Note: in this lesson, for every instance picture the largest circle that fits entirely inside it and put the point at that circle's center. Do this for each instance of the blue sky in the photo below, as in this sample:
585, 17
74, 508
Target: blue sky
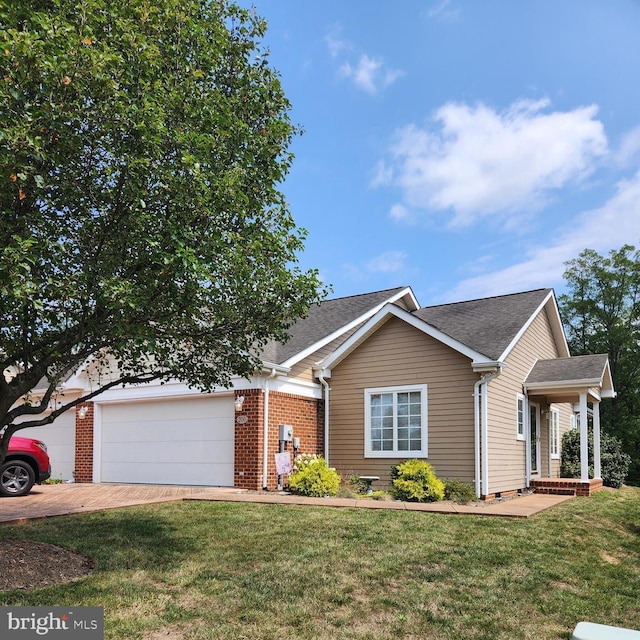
464, 148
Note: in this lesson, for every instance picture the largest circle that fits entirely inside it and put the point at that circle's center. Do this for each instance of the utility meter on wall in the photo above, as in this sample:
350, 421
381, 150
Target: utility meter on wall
286, 432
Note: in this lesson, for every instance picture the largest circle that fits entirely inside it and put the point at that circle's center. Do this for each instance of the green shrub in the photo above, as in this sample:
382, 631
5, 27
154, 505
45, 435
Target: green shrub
313, 477
614, 462
458, 491
416, 481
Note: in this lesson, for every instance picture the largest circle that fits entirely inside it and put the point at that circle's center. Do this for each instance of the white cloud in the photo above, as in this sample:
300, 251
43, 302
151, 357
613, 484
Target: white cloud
369, 74
616, 223
336, 44
442, 11
475, 162
387, 262
629, 149
398, 212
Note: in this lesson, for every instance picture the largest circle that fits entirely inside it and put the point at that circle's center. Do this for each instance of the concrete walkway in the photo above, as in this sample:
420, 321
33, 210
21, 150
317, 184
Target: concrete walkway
62, 499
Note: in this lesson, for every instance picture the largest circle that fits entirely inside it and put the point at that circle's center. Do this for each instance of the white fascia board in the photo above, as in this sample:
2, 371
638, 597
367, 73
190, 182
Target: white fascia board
154, 390
608, 391
382, 316
556, 328
297, 387
586, 383
406, 292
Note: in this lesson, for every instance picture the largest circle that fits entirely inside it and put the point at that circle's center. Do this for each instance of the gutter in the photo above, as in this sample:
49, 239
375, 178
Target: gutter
327, 389
481, 419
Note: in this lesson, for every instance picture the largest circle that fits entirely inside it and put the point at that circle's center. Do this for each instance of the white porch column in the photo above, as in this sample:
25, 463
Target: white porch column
584, 439
597, 471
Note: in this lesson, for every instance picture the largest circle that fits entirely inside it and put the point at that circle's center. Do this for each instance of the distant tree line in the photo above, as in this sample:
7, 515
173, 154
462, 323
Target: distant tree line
601, 314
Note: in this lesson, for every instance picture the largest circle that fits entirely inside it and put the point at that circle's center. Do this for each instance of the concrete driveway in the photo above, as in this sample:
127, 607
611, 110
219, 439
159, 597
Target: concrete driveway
62, 499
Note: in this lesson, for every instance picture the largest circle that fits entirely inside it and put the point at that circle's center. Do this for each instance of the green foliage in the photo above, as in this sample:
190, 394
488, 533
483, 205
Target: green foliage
416, 481
601, 313
458, 491
357, 485
313, 477
614, 462
141, 221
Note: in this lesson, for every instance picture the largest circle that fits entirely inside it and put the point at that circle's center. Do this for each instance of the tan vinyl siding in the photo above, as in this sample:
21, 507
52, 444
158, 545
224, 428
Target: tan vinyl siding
395, 355
507, 469
303, 370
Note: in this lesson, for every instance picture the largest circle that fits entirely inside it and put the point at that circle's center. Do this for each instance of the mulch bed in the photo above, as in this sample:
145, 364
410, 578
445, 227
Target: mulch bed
31, 565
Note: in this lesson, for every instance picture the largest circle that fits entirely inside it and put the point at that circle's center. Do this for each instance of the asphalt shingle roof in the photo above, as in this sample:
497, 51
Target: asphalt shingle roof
487, 325
589, 367
322, 320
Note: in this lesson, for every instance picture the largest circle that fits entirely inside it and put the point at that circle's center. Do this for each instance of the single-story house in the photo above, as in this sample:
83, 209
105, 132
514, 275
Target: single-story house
482, 389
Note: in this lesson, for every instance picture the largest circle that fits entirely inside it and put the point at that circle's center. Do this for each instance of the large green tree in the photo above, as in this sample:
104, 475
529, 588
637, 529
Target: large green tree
601, 312
142, 148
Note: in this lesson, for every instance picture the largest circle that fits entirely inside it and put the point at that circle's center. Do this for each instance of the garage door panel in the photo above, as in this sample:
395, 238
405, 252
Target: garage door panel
148, 442
166, 431
213, 452
170, 410
182, 474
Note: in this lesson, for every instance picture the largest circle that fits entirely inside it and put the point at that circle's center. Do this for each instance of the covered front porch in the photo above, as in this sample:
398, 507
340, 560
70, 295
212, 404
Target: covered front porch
579, 383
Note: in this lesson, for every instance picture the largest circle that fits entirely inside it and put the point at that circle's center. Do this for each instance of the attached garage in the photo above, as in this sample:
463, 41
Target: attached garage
186, 442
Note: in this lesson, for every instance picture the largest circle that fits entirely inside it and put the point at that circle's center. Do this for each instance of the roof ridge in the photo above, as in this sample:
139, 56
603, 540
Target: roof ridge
369, 293
503, 295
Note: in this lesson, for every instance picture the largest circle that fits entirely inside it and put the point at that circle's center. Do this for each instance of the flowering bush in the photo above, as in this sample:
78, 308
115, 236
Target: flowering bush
313, 477
416, 481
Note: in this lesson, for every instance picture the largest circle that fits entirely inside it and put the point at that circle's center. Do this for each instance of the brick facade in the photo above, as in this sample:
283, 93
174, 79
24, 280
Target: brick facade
248, 440
84, 444
306, 415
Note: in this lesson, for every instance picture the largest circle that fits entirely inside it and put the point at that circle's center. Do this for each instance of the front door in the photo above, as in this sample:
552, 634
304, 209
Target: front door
534, 434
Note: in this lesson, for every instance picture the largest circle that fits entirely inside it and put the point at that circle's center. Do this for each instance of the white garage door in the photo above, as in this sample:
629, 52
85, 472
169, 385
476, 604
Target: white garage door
60, 438
188, 442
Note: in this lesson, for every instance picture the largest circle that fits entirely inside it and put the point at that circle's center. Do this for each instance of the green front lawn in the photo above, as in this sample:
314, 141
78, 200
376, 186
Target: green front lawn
251, 571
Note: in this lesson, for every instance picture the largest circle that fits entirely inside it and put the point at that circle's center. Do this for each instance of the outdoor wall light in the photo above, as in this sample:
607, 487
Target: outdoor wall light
82, 412
238, 402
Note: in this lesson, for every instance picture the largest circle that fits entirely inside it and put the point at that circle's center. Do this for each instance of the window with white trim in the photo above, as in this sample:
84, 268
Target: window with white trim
554, 433
396, 422
520, 434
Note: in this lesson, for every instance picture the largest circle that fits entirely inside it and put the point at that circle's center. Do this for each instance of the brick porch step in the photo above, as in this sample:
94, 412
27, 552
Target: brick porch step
555, 491
565, 486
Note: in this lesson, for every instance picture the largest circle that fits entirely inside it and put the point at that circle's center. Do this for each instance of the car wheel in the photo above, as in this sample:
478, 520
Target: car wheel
16, 478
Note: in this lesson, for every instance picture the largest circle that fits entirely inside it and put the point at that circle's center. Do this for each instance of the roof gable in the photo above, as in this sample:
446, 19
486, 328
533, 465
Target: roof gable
485, 330
493, 326
583, 371
380, 318
327, 321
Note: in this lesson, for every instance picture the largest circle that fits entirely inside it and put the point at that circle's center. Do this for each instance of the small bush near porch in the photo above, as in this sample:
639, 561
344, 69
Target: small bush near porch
614, 462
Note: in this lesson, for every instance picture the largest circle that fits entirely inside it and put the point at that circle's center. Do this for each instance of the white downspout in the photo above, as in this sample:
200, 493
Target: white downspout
327, 389
482, 432
476, 420
265, 430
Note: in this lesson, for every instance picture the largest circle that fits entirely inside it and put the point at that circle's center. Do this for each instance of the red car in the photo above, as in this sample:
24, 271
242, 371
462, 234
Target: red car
26, 463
